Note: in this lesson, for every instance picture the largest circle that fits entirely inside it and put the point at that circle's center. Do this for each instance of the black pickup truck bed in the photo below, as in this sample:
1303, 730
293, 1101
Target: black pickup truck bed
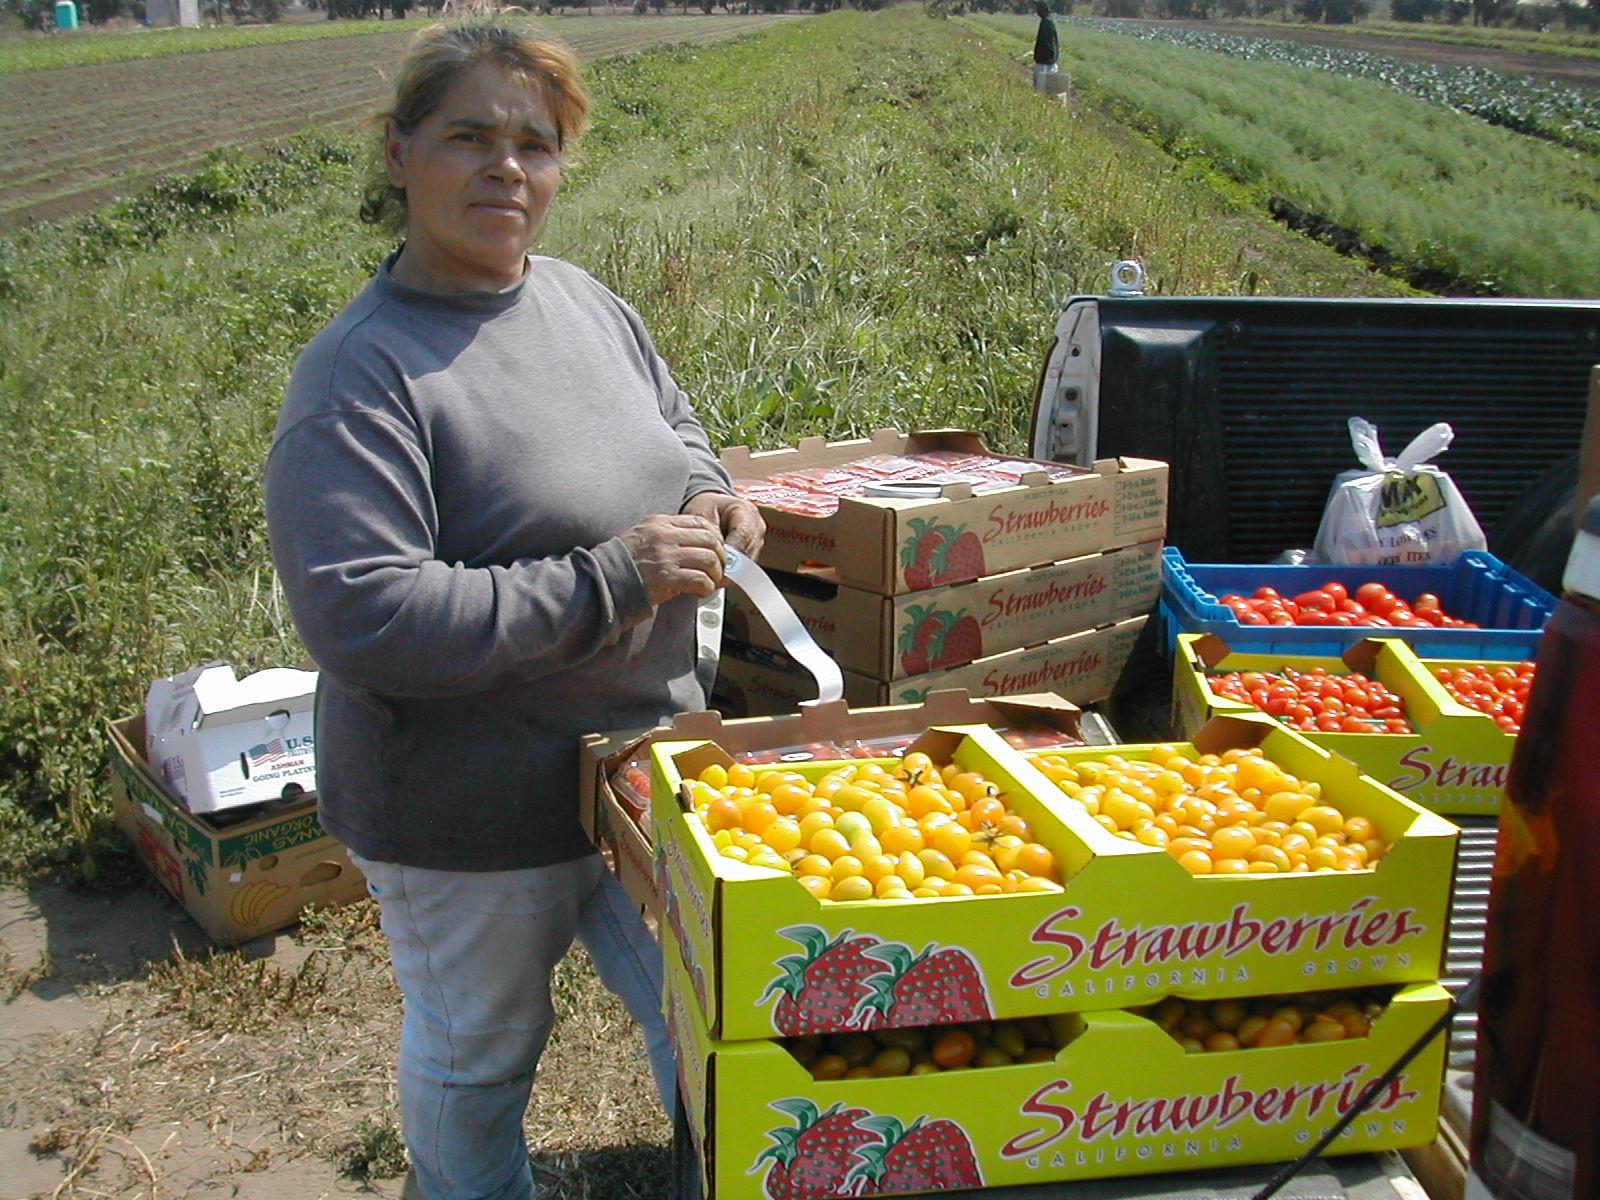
1247, 398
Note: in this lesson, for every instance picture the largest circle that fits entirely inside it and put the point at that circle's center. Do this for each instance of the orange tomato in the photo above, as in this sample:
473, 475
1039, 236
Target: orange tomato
1036, 860
1276, 1032
953, 1049
724, 813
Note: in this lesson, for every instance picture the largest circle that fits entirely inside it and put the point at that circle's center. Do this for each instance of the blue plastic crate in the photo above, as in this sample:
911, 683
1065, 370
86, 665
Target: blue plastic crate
1510, 608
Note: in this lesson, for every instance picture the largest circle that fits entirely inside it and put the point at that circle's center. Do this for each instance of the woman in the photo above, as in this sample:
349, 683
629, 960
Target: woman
493, 514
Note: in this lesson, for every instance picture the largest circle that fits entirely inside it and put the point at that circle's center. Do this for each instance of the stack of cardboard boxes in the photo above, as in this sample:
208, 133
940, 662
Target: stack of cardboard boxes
986, 573
211, 787
755, 964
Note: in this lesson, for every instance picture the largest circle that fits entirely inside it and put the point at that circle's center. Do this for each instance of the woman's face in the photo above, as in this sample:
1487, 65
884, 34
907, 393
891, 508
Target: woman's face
479, 173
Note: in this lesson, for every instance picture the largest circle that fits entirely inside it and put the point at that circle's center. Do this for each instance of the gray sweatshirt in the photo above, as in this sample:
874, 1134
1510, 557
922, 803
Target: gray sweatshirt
444, 494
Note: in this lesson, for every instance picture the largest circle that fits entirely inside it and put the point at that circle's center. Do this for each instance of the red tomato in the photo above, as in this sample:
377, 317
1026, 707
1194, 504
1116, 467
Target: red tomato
1383, 604
1319, 600
1337, 591
1368, 592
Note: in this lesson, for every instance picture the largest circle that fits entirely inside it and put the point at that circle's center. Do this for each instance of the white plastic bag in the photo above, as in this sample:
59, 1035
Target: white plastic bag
1398, 511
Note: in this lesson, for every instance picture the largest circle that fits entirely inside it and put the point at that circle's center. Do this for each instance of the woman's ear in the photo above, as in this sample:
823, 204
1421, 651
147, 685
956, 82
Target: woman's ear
394, 148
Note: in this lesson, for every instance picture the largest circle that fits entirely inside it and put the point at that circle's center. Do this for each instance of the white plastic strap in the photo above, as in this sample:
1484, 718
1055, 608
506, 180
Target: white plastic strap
741, 571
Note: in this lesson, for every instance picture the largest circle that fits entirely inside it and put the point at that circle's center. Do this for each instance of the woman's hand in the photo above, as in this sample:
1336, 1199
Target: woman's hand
739, 520
676, 555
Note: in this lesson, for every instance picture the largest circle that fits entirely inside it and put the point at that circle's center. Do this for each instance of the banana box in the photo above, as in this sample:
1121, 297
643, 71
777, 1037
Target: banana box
237, 881
1456, 763
1120, 1098
1128, 924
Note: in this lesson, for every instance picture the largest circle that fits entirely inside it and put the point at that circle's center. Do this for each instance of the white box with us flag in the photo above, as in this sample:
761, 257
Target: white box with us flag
222, 742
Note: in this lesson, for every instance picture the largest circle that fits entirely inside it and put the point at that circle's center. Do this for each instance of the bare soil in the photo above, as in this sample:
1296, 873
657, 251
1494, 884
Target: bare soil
1576, 71
79, 136
138, 1062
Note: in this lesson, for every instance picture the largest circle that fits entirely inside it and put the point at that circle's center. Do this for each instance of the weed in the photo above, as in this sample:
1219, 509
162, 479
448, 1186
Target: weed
376, 1151
352, 927
15, 980
227, 992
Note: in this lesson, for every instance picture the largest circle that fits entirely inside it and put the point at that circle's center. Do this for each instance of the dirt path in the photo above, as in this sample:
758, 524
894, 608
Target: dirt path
137, 1064
79, 136
1579, 72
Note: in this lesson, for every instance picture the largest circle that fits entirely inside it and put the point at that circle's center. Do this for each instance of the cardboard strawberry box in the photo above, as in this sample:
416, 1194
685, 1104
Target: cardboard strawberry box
891, 638
1120, 1098
239, 880
1082, 667
1456, 763
890, 545
614, 770
1130, 925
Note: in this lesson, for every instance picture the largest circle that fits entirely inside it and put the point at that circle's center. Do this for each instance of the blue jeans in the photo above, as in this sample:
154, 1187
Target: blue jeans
473, 952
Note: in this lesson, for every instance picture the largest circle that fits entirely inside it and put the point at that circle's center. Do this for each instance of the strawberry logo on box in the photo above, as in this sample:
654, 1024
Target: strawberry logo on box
841, 1151
936, 554
860, 982
813, 1157
819, 990
936, 638
940, 986
925, 1156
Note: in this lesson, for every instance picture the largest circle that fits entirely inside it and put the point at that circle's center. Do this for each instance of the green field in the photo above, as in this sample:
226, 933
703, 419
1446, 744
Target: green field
1448, 200
1560, 42
88, 46
842, 223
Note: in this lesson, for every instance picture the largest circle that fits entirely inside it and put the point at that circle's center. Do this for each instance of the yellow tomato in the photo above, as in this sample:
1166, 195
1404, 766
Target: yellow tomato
910, 869
782, 835
951, 840
901, 838
937, 865
856, 887
829, 843
1286, 805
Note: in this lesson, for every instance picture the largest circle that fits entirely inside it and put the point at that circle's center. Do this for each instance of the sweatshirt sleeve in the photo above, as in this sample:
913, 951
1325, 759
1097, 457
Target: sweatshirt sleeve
706, 472
353, 527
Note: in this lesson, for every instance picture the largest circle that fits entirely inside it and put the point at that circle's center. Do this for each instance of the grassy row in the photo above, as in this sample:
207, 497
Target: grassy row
853, 222
1544, 108
1562, 43
1450, 198
1567, 43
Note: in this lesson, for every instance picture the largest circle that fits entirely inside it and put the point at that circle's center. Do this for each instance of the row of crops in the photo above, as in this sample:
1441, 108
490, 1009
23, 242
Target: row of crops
1542, 108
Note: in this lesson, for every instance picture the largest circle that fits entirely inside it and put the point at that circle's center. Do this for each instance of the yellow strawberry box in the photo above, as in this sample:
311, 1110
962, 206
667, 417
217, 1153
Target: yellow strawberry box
1128, 924
1119, 1098
1456, 763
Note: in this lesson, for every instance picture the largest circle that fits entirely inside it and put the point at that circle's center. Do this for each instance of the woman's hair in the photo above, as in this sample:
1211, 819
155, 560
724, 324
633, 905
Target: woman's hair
441, 54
